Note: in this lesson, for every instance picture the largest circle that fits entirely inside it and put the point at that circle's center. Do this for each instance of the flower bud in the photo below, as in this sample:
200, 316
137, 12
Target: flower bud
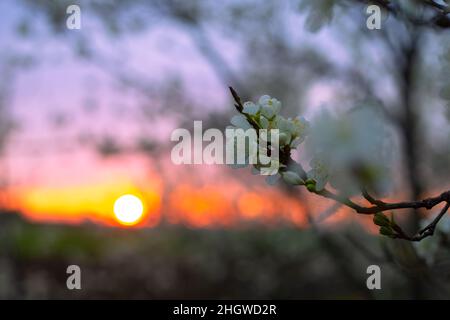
292, 178
311, 185
381, 220
387, 231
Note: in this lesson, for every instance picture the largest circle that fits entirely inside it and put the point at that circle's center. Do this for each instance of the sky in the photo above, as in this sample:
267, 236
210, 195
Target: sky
64, 107
63, 103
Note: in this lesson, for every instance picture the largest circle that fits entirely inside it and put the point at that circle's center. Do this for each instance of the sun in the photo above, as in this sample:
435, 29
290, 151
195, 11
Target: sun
128, 209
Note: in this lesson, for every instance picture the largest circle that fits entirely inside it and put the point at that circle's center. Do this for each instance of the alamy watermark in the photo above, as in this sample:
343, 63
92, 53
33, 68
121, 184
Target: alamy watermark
73, 21
74, 280
374, 280
238, 147
373, 21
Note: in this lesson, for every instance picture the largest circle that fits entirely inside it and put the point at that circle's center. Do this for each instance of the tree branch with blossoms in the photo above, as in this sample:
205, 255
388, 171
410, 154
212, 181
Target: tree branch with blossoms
293, 132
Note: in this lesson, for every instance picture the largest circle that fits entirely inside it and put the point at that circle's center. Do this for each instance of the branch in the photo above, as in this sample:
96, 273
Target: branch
441, 7
369, 198
425, 232
381, 206
377, 206
429, 229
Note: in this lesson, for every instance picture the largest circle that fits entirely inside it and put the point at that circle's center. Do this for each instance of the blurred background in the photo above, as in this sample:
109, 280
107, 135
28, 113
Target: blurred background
86, 117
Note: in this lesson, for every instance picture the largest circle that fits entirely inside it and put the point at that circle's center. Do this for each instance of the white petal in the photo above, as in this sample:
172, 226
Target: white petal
267, 111
250, 108
276, 105
240, 121
292, 178
264, 99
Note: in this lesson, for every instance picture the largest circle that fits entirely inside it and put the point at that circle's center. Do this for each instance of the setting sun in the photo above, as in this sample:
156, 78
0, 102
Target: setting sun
128, 209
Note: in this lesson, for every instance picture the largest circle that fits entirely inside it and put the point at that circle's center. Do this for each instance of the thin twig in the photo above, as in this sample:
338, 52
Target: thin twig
371, 199
427, 203
429, 229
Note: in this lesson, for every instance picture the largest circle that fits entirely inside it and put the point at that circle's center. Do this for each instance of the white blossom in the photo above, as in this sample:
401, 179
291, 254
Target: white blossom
269, 106
301, 128
350, 150
240, 121
319, 173
250, 108
291, 177
293, 129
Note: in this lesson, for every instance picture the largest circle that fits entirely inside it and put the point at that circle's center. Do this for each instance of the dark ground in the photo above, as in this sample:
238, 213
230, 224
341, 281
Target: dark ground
176, 262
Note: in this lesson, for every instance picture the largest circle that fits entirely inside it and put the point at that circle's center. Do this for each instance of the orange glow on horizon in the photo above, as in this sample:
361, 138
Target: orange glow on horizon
80, 203
226, 203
